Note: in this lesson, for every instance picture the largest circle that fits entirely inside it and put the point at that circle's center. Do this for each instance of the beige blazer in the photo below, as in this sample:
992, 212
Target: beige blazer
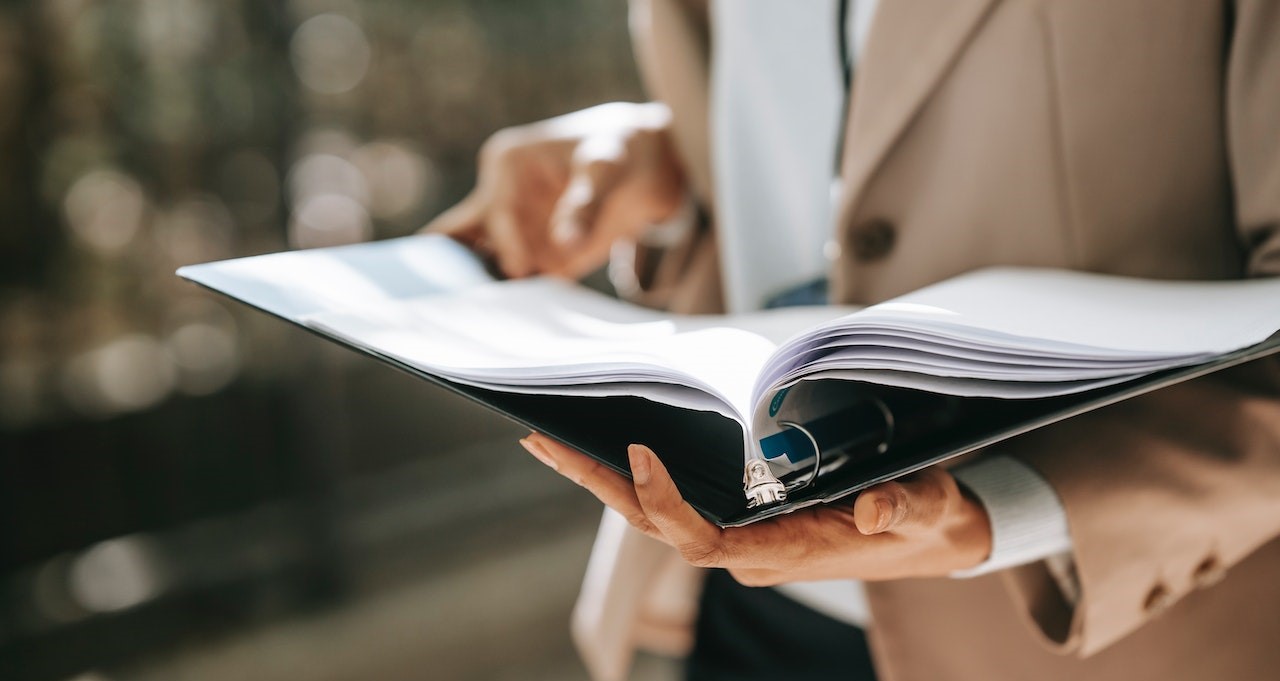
1137, 137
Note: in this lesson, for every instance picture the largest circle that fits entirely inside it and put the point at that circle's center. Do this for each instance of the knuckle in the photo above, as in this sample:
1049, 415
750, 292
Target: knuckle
894, 490
587, 473
941, 488
658, 516
701, 555
640, 522
662, 505
929, 512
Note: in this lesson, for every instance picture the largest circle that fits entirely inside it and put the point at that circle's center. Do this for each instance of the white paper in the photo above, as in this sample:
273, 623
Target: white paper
1092, 314
545, 335
1017, 333
999, 332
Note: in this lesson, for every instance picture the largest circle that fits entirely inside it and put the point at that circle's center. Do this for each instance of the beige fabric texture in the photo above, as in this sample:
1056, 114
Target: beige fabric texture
1134, 137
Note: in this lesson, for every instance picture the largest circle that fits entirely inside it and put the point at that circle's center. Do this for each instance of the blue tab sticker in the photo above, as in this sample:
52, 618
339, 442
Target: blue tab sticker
788, 443
776, 404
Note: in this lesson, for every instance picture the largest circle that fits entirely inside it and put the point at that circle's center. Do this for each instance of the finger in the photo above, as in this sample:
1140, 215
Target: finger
464, 220
612, 489
579, 208
757, 576
698, 540
596, 168
508, 242
915, 503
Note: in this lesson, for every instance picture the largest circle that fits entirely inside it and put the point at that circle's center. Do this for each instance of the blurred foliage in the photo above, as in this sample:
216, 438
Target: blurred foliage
169, 461
137, 136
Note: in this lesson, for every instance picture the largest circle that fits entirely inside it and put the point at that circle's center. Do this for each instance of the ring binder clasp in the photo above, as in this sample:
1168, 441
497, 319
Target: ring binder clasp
763, 488
761, 485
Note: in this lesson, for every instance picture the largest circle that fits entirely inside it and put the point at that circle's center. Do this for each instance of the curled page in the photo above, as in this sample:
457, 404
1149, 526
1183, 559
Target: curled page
548, 336
1021, 333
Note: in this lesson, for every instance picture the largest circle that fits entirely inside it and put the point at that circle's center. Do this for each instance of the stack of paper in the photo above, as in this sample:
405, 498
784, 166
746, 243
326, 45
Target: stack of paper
546, 336
1000, 332
1021, 333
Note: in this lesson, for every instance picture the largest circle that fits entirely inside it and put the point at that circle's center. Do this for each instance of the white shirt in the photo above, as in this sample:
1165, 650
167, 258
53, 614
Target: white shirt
776, 99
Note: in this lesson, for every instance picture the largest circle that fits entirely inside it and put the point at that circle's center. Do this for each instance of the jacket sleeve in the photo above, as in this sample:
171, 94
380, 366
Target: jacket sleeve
1165, 493
672, 42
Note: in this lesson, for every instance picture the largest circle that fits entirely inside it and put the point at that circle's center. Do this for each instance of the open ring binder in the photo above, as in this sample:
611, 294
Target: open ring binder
946, 370
838, 437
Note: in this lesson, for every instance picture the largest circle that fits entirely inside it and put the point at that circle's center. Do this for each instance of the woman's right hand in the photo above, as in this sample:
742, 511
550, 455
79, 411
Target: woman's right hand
552, 197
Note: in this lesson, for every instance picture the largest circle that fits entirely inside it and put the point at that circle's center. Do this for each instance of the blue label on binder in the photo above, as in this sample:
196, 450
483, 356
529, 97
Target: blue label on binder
789, 443
776, 404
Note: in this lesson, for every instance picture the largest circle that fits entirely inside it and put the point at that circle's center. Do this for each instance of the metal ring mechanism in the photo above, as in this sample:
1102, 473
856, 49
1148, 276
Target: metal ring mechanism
889, 426
817, 457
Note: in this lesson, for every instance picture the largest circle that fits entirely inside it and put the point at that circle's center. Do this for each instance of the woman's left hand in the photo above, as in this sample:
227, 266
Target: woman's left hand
921, 525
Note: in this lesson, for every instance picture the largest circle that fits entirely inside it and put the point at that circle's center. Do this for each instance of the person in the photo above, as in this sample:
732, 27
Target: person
1127, 138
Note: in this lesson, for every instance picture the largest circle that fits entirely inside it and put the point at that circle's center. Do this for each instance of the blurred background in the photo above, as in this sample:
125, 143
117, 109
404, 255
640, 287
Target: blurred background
191, 491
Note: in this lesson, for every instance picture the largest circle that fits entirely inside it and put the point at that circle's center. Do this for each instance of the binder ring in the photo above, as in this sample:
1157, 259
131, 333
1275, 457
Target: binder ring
817, 456
889, 427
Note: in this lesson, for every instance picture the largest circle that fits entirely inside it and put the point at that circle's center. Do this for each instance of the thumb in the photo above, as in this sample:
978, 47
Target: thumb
578, 209
912, 504
463, 221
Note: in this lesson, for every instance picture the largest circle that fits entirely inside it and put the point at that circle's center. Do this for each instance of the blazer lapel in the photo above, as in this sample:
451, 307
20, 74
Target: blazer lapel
911, 45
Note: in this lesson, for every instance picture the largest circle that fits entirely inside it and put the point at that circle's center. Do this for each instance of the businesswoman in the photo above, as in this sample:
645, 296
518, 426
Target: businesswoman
855, 152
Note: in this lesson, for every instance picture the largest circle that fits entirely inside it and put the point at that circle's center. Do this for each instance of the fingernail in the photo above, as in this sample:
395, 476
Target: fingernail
539, 453
639, 456
884, 514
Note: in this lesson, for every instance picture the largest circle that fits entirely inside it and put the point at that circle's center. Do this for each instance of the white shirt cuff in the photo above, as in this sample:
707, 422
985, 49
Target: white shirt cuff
1028, 523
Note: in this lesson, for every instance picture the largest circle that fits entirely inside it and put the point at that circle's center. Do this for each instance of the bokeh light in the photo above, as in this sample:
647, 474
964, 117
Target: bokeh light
105, 209
205, 346
129, 373
329, 220
116, 574
330, 54
318, 174
399, 178
169, 460
174, 29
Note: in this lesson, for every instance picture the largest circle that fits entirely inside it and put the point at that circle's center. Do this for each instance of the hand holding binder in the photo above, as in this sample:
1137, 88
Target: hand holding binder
917, 526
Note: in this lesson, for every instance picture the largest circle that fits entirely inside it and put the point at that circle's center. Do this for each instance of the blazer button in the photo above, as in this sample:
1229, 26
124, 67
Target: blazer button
1209, 572
1158, 600
872, 240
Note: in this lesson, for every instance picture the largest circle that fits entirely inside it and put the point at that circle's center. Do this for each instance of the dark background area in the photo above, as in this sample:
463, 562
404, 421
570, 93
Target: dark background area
190, 490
